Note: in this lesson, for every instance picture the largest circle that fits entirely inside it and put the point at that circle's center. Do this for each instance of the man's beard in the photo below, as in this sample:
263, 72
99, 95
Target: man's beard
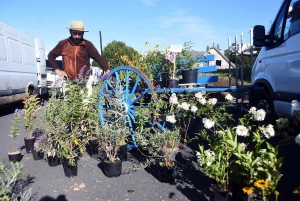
77, 40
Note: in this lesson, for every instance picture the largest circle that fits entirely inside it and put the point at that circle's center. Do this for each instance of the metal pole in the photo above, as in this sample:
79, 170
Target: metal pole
229, 63
251, 48
236, 70
100, 43
242, 61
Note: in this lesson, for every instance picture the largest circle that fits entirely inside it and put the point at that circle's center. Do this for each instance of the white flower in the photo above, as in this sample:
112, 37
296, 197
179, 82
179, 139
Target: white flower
252, 110
269, 131
171, 119
208, 123
173, 99
202, 101
203, 92
198, 95
185, 106
208, 163
263, 151
260, 115
244, 145
259, 161
296, 109
212, 101
241, 130
297, 139
194, 109
229, 97
179, 106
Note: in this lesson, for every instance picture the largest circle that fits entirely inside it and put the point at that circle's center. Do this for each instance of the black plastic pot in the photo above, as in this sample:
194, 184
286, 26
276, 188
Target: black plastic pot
14, 157
92, 147
37, 155
53, 161
113, 169
189, 76
122, 152
218, 196
173, 83
29, 144
69, 170
164, 79
167, 174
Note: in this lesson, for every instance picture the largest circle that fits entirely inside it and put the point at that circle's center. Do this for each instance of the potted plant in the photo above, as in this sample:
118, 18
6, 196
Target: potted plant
163, 147
31, 106
15, 156
168, 74
187, 62
39, 144
112, 134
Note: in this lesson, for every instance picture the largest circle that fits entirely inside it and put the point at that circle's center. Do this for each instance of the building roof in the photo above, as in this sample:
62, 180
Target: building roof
222, 55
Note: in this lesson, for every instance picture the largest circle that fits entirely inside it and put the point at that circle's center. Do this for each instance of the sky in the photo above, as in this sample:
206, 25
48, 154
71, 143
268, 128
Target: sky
159, 22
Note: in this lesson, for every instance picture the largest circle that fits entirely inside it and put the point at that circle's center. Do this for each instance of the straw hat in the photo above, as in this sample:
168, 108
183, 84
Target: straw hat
77, 25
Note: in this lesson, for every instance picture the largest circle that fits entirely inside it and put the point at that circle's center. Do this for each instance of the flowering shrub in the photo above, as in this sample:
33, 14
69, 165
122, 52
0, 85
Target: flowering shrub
184, 108
235, 159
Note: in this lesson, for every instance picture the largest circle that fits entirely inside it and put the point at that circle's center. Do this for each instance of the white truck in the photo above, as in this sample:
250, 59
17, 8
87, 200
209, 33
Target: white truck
22, 65
277, 67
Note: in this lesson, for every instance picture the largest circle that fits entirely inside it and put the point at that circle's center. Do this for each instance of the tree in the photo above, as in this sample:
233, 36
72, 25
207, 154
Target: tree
113, 52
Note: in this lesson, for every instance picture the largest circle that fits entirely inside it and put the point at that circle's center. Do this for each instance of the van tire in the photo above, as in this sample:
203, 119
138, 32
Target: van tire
263, 100
30, 90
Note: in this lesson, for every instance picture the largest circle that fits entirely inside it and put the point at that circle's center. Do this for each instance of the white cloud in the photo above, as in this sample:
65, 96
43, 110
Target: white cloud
189, 27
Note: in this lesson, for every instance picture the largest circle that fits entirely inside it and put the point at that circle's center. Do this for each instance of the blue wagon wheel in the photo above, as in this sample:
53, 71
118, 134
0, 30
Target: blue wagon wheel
132, 88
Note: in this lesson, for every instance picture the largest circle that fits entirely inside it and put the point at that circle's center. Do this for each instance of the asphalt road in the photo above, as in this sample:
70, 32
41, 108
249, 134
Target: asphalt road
49, 183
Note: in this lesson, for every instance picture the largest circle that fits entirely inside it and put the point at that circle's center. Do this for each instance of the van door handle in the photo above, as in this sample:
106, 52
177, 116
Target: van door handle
259, 61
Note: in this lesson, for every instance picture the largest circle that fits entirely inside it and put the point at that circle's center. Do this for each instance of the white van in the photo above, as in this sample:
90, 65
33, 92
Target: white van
277, 67
22, 65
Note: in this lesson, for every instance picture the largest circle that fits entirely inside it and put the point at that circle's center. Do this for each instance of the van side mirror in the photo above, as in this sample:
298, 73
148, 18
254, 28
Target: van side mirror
259, 36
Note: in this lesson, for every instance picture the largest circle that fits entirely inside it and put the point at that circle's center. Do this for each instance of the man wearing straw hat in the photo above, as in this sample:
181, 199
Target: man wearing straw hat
76, 53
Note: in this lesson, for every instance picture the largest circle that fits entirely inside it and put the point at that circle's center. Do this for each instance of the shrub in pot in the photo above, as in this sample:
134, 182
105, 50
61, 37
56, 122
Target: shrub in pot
163, 147
15, 155
31, 106
112, 134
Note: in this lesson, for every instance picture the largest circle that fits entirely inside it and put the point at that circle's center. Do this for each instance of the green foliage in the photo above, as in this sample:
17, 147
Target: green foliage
31, 106
114, 131
8, 178
15, 128
113, 51
70, 120
235, 159
186, 56
162, 145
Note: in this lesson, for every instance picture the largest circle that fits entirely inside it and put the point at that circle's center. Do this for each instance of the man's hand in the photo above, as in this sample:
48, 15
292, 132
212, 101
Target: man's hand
61, 73
106, 73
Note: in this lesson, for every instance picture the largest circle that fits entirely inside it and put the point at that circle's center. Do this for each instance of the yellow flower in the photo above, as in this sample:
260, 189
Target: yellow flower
146, 44
116, 53
276, 193
81, 150
76, 142
248, 190
261, 183
130, 63
297, 190
156, 46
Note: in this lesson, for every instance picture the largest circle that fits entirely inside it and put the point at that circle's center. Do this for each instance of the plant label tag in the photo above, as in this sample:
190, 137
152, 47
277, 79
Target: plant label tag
176, 48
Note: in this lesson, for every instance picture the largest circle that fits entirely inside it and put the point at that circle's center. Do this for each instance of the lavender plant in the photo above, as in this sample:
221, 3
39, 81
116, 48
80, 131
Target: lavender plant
31, 106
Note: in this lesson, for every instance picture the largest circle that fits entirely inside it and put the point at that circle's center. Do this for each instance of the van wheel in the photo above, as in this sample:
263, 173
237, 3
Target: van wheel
263, 100
30, 90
